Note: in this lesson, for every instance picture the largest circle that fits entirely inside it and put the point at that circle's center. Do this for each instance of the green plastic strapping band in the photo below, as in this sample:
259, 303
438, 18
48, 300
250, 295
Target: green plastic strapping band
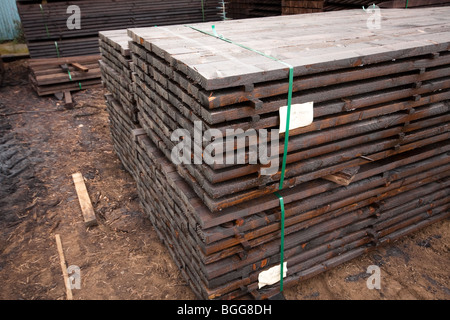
203, 11
57, 49
280, 198
45, 24
70, 77
286, 135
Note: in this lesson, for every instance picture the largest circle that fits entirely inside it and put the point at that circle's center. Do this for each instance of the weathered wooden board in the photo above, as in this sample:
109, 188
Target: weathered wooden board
85, 202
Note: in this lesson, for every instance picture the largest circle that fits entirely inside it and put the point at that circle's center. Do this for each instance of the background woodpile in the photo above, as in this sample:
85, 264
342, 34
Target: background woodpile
48, 36
333, 5
50, 76
240, 9
301, 6
43, 27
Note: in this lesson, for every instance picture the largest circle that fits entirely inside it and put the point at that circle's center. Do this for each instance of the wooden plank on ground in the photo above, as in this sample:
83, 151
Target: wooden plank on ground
85, 201
64, 267
68, 99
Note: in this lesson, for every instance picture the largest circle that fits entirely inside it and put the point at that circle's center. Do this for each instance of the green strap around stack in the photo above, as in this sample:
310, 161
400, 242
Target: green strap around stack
46, 30
70, 77
286, 135
203, 10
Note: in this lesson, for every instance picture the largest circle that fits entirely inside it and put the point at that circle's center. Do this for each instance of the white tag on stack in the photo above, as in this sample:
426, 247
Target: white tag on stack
271, 276
302, 115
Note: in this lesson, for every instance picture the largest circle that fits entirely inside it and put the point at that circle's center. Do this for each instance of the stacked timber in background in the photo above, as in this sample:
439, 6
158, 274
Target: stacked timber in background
334, 5
301, 6
47, 33
59, 75
241, 9
372, 167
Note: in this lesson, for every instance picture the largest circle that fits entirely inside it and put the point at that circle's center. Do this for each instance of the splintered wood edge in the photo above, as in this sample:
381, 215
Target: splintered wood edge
85, 202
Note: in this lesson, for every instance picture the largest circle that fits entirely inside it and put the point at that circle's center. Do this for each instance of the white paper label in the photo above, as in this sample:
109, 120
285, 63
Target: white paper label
302, 115
271, 276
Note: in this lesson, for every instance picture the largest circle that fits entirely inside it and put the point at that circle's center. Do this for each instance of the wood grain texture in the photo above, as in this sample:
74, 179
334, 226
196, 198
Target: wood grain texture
62, 260
84, 199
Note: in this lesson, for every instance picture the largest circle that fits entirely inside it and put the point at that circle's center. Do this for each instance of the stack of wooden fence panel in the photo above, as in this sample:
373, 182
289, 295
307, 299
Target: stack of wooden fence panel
51, 31
54, 75
373, 166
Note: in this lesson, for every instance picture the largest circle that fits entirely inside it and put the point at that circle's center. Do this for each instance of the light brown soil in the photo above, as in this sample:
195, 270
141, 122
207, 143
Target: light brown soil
42, 144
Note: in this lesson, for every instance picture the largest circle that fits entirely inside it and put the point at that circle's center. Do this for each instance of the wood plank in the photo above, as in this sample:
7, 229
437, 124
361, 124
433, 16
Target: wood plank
68, 99
62, 260
344, 177
85, 202
80, 67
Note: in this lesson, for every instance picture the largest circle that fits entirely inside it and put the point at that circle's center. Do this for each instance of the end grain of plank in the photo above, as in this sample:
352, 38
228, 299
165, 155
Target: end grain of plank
68, 99
85, 201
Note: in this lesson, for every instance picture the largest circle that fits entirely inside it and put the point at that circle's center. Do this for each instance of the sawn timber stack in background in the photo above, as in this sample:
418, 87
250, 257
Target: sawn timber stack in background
50, 76
46, 24
373, 166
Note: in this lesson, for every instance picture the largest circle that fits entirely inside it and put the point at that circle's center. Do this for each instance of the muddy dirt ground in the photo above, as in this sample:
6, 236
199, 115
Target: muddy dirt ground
42, 144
